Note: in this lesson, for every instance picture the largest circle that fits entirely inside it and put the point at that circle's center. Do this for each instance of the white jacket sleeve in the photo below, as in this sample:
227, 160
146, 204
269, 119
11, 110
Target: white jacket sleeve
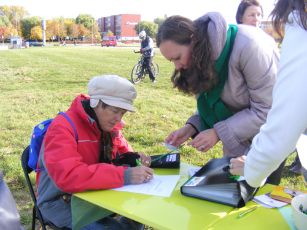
287, 119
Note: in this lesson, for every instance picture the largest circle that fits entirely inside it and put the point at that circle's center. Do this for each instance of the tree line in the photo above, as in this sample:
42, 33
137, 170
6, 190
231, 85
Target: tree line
15, 21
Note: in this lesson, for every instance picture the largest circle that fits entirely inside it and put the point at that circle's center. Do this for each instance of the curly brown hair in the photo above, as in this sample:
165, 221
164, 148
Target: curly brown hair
200, 76
282, 10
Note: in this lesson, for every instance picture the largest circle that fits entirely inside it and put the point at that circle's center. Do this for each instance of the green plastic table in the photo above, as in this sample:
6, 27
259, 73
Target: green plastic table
174, 212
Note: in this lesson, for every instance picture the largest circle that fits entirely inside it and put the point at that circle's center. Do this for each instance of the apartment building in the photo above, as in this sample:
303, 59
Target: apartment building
122, 25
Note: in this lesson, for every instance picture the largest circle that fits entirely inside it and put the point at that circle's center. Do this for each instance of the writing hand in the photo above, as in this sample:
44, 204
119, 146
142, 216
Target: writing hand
140, 174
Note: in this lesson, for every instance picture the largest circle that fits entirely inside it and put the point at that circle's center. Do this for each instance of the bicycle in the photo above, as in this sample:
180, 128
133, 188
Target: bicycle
139, 72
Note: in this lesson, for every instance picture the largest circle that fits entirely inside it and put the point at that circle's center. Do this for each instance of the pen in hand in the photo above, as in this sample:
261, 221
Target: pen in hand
148, 171
241, 214
138, 162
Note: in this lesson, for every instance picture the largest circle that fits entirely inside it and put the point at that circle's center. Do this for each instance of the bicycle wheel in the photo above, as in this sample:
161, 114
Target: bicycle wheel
155, 68
137, 74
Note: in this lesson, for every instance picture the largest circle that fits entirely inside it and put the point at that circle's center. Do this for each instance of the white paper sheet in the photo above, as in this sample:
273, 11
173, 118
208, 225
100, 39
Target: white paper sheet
158, 186
267, 202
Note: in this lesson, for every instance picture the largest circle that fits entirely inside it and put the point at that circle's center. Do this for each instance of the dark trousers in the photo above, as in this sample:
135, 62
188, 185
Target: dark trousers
275, 177
147, 65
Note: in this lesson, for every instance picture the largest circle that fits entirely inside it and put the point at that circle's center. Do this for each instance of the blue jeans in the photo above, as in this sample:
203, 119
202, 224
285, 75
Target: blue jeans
109, 223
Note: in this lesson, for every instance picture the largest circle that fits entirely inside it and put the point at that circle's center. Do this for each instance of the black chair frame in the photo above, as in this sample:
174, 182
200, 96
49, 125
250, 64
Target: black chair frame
36, 214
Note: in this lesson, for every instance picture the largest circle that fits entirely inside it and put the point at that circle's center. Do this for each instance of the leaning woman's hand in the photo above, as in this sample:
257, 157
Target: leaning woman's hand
205, 140
179, 136
236, 166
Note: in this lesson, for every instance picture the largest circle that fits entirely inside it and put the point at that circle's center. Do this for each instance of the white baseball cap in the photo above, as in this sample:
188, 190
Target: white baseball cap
113, 90
142, 34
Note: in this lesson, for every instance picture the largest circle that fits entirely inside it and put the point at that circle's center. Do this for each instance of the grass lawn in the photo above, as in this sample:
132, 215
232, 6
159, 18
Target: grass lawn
37, 83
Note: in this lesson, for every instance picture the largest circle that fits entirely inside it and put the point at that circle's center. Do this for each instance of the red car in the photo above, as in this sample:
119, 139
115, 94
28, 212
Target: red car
109, 41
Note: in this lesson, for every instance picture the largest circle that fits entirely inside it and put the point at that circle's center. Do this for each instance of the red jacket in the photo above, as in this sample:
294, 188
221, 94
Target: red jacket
74, 167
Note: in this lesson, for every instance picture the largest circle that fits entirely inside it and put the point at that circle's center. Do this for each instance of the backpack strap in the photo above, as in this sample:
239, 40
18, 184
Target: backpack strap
71, 123
38, 169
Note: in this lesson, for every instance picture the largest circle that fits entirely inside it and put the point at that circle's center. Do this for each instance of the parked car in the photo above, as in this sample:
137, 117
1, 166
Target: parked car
34, 43
109, 41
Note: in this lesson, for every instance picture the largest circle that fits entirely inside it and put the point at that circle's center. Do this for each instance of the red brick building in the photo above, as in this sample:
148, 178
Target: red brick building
121, 25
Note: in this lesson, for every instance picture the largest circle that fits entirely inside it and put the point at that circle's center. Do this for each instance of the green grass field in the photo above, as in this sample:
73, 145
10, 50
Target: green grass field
37, 83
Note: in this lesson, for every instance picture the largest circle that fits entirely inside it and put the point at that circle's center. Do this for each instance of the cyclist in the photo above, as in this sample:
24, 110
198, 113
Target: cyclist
148, 52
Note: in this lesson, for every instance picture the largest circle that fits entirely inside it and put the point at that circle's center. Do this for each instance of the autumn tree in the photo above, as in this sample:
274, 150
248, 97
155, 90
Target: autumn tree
85, 19
83, 32
96, 33
88, 26
62, 30
14, 21
15, 14
52, 29
36, 33
69, 27
150, 28
4, 21
5, 25
110, 33
159, 21
27, 24
75, 33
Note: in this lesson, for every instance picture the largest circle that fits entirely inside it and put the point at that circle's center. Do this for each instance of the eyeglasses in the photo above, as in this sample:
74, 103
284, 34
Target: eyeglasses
116, 110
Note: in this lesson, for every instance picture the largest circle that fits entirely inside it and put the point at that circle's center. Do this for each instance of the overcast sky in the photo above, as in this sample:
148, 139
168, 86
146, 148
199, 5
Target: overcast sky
149, 9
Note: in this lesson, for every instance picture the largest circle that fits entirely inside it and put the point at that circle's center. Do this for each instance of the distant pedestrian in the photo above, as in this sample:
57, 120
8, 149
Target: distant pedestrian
148, 53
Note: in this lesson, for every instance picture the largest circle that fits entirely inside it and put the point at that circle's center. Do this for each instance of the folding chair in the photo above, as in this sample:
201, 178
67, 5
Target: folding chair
36, 214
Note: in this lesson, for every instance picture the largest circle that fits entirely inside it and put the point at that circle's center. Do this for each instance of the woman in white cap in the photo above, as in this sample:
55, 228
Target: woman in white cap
90, 162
